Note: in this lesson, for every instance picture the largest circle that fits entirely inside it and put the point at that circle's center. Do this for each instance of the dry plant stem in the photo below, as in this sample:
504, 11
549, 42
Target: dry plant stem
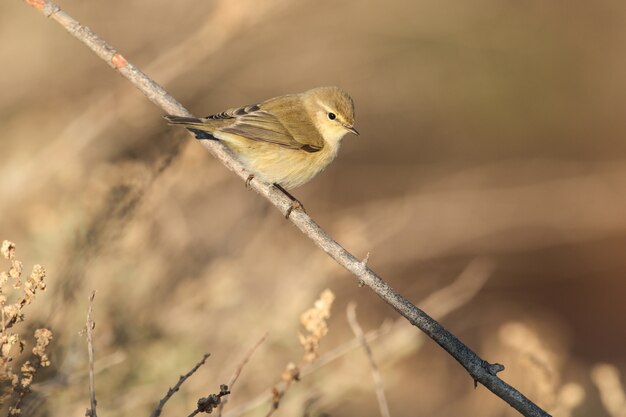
173, 390
442, 302
378, 380
91, 412
480, 370
312, 367
238, 370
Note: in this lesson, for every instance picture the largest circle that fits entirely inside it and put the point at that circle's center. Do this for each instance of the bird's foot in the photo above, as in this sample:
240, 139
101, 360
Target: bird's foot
249, 179
295, 203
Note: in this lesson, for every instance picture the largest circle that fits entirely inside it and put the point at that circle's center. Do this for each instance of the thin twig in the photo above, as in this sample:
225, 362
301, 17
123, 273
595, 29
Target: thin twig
238, 370
479, 369
91, 412
378, 380
322, 361
171, 391
442, 302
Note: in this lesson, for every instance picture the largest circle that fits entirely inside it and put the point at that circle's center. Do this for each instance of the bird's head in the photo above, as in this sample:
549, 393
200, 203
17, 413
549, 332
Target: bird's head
332, 110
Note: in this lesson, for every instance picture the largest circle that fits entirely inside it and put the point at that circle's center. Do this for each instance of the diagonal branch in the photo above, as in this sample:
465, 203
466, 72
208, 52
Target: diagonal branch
480, 370
173, 390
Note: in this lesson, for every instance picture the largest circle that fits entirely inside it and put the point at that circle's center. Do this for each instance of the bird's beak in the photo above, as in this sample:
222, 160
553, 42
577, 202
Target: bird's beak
351, 129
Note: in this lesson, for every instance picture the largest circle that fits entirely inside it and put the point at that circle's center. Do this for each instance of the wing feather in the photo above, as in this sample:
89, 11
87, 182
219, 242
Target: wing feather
255, 123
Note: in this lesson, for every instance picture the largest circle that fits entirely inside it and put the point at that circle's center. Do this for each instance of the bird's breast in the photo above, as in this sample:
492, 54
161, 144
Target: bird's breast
288, 167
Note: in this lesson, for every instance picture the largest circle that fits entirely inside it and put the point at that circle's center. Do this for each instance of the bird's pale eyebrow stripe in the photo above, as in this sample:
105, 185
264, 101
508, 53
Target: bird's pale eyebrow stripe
324, 106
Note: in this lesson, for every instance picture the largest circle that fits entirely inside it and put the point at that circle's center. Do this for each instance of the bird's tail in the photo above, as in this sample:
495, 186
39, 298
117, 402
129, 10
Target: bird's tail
193, 124
181, 120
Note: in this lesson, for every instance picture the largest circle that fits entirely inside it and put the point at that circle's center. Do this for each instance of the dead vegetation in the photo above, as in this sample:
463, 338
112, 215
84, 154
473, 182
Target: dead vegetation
492, 130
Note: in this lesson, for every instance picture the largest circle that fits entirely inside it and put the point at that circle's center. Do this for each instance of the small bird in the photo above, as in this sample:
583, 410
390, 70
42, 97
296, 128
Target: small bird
286, 140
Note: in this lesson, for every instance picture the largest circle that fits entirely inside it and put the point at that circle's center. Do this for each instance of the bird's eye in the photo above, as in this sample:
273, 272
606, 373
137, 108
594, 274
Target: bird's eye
332, 116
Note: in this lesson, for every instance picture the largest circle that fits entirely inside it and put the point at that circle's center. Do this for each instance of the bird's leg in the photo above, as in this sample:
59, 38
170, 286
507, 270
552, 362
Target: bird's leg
295, 203
249, 179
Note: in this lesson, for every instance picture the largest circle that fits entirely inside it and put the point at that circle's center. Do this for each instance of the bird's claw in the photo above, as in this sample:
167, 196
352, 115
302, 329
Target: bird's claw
249, 180
295, 204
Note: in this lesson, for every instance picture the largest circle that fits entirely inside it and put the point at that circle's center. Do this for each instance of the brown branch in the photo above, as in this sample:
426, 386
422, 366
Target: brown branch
378, 380
91, 412
480, 370
171, 391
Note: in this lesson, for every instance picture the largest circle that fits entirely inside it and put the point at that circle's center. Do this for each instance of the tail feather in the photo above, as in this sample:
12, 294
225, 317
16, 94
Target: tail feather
201, 134
190, 123
181, 120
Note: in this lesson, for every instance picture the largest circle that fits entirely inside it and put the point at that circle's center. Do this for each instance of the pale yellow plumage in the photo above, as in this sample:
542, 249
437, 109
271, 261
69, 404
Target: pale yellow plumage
286, 140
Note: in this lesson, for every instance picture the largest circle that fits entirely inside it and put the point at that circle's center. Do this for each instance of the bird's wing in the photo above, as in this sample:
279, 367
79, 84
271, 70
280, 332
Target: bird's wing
255, 123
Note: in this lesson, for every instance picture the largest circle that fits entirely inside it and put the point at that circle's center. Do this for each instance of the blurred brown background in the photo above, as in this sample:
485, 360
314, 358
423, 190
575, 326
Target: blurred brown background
491, 155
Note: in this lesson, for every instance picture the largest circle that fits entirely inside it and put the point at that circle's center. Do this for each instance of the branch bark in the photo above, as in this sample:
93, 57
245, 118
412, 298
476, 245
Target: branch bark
480, 370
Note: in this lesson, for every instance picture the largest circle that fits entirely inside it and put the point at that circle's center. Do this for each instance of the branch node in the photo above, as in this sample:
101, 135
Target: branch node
363, 267
118, 61
365, 260
491, 368
207, 404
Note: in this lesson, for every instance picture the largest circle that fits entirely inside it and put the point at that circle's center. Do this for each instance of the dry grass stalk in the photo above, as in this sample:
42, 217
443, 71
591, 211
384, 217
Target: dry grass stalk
378, 380
89, 327
237, 372
314, 321
14, 386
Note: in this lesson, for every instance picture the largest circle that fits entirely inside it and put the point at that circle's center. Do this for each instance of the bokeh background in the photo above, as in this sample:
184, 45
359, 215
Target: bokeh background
488, 186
